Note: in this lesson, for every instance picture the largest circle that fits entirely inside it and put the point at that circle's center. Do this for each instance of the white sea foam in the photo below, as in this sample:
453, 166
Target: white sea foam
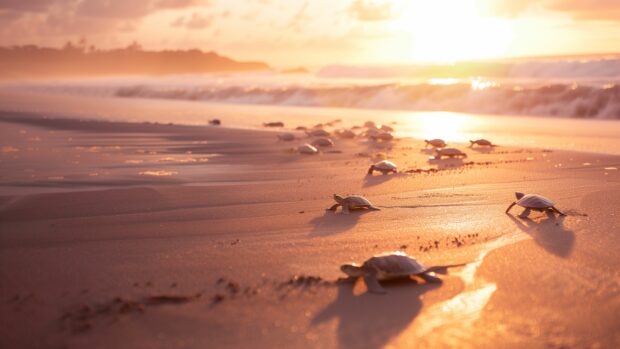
568, 88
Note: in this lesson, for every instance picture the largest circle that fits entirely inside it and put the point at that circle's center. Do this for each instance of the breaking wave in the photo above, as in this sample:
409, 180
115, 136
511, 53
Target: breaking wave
560, 99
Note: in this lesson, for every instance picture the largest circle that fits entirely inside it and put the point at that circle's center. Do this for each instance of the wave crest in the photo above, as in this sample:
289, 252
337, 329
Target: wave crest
568, 100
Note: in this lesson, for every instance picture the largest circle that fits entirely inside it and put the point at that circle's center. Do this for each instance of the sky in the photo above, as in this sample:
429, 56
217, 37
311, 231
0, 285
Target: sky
289, 33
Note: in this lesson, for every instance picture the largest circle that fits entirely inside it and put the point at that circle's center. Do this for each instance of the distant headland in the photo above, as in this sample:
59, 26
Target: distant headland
81, 59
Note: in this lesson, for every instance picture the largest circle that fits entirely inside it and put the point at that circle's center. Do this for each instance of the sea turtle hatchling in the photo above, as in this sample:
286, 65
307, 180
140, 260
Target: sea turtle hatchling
384, 167
481, 142
345, 134
383, 136
534, 202
273, 124
323, 142
318, 132
449, 153
389, 266
353, 202
287, 137
307, 149
435, 143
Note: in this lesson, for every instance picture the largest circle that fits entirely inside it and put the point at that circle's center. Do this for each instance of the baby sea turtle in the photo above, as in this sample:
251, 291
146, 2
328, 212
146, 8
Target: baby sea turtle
386, 128
481, 142
353, 202
286, 137
307, 149
318, 132
449, 153
435, 143
384, 167
322, 142
273, 124
345, 134
370, 124
389, 266
385, 136
215, 122
534, 202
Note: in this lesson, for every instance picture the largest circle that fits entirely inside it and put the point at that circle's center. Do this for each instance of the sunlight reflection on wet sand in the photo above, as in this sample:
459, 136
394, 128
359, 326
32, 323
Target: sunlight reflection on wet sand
451, 321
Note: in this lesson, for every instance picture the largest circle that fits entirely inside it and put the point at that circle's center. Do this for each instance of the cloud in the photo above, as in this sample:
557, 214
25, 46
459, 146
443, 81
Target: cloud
53, 21
297, 20
579, 9
130, 8
367, 10
196, 21
27, 5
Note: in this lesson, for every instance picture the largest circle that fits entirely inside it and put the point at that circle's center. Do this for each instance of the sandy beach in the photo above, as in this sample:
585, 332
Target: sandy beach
149, 234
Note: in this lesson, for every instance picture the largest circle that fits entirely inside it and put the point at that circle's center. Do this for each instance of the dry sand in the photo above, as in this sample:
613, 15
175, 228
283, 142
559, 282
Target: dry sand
149, 235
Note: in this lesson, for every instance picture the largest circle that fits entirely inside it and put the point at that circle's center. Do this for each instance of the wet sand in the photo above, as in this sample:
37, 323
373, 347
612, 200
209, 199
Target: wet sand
156, 235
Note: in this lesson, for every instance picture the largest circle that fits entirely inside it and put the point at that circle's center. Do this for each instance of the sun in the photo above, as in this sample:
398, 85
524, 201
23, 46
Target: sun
447, 31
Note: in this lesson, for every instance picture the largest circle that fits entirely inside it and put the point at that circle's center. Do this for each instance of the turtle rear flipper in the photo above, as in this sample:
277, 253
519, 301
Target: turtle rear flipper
525, 213
558, 211
372, 284
333, 208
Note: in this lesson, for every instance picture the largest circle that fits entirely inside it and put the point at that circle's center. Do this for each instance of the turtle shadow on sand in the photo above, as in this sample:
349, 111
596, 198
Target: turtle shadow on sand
372, 180
483, 150
447, 163
428, 151
369, 320
548, 232
334, 222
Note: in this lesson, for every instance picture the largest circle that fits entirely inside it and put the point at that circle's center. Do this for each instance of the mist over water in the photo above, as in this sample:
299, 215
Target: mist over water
564, 88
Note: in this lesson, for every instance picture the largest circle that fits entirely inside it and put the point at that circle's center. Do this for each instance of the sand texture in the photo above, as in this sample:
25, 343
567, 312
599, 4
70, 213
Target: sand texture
146, 235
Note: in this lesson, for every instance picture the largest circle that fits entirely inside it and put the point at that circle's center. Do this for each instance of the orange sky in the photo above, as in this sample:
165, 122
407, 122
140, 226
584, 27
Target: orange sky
312, 33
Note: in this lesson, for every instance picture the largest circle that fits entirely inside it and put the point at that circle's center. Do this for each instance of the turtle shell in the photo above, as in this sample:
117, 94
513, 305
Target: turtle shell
323, 142
394, 265
449, 152
385, 165
346, 134
357, 201
383, 136
439, 143
482, 141
307, 149
318, 133
286, 136
386, 128
535, 201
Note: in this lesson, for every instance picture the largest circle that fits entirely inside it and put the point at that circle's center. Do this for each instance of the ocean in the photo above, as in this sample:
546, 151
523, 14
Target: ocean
569, 87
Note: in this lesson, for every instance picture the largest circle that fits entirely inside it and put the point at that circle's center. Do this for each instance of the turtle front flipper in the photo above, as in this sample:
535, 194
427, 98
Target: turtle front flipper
372, 284
333, 208
430, 278
509, 207
371, 169
345, 208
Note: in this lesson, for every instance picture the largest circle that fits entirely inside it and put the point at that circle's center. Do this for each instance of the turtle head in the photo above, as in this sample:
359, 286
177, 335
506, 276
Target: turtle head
519, 195
339, 199
352, 270
427, 141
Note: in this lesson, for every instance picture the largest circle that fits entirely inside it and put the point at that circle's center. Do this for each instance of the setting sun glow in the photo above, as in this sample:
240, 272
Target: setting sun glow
446, 31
